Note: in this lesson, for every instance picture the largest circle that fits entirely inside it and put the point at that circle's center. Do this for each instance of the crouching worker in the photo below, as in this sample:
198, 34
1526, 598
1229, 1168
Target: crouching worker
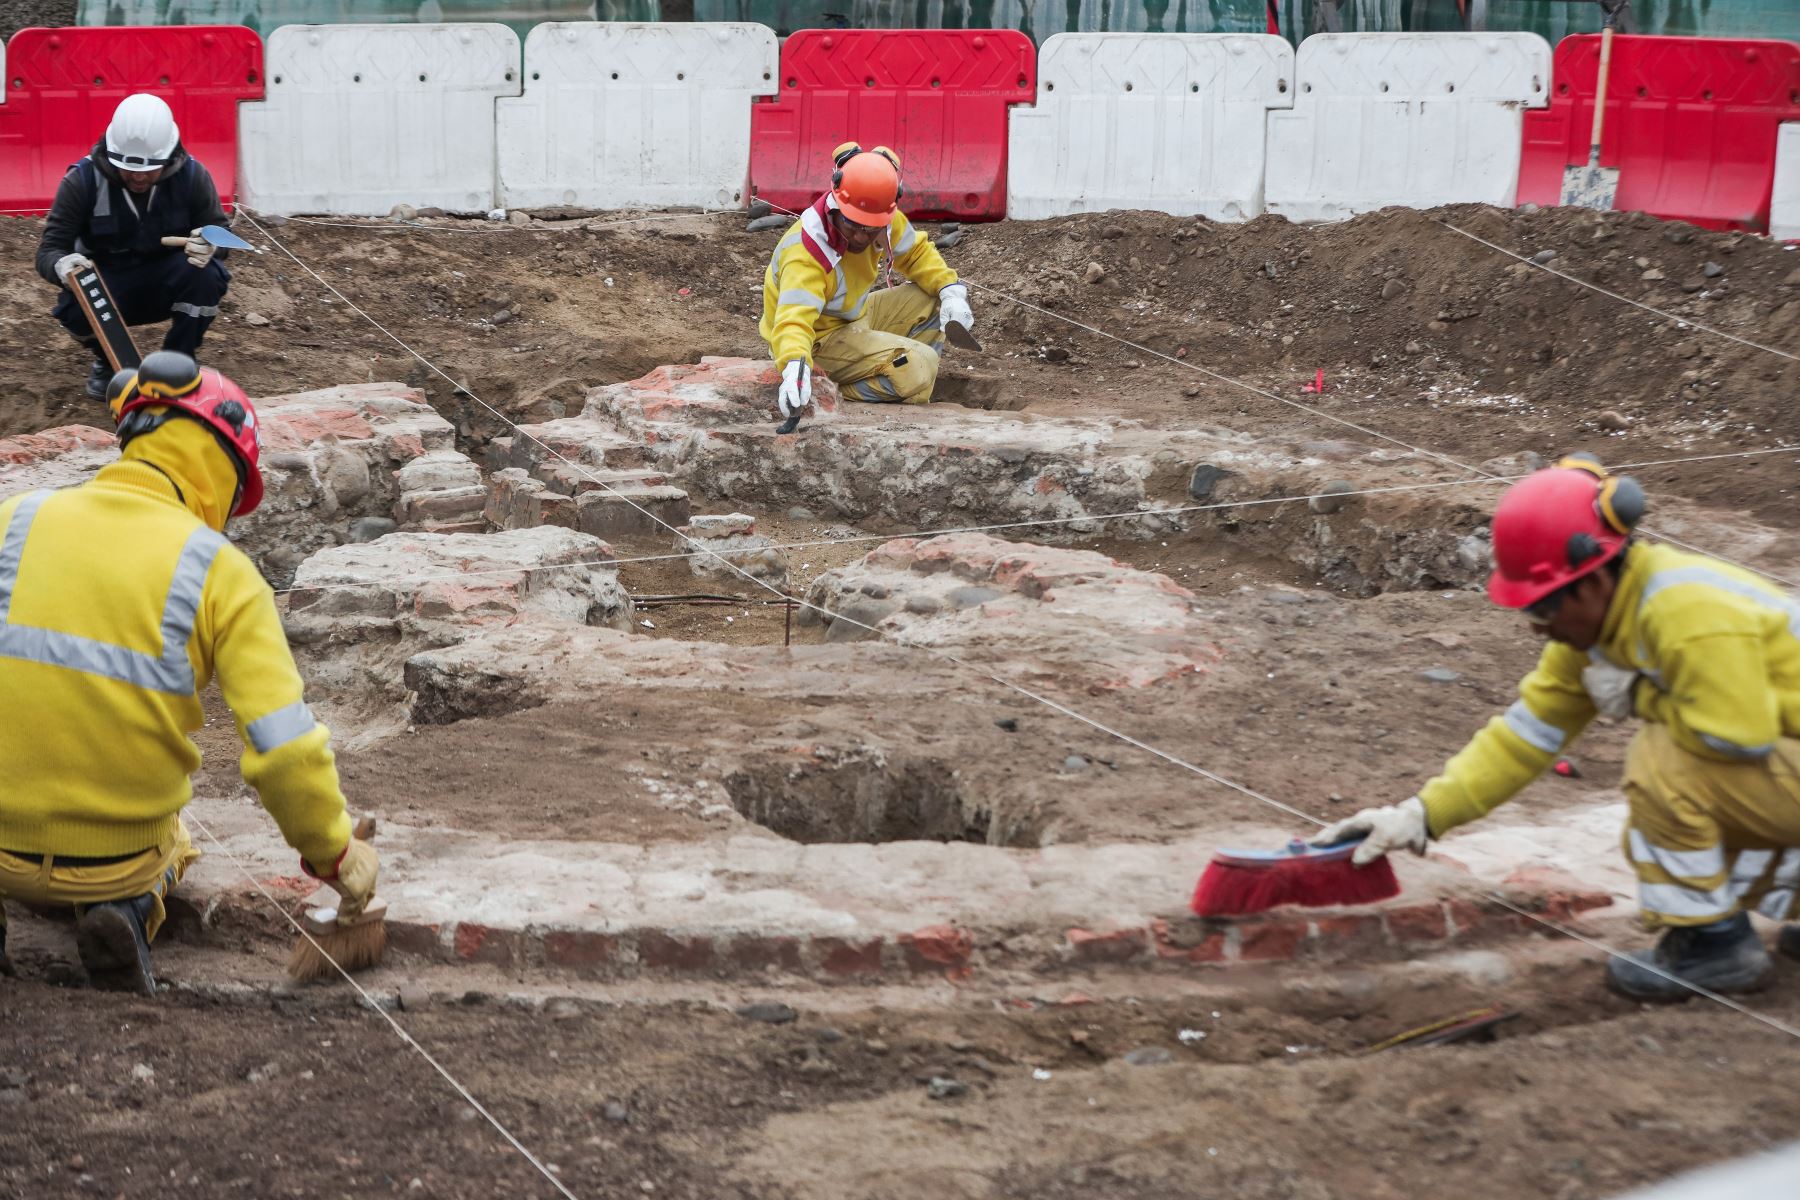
120, 600
822, 311
1707, 656
111, 212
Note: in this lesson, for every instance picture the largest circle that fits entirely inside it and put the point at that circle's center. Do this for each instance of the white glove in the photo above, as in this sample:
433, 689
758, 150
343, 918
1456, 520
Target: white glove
1399, 826
68, 264
796, 388
953, 305
199, 250
1609, 687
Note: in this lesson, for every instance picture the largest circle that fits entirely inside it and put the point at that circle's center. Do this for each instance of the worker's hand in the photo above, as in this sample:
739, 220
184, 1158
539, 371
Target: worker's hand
1610, 688
69, 264
352, 877
199, 250
796, 388
953, 305
1399, 826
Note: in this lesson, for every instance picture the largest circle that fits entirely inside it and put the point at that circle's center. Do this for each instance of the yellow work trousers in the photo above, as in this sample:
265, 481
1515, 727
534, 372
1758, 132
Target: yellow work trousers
889, 354
1710, 839
156, 871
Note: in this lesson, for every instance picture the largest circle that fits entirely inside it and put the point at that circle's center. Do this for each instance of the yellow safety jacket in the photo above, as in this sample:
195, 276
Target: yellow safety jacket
812, 287
1719, 654
117, 607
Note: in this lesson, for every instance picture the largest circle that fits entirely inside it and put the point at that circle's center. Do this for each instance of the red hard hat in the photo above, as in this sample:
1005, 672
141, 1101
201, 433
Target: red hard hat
867, 186
172, 380
1559, 524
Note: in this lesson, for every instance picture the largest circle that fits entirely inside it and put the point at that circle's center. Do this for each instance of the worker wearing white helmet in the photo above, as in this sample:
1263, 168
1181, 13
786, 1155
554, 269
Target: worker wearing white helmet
137, 186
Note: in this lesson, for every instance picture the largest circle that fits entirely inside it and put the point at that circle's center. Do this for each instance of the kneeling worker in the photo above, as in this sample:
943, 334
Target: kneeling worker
120, 600
820, 309
1707, 656
112, 211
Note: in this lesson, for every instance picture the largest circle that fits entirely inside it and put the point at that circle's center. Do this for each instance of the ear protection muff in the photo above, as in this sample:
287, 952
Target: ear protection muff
1620, 504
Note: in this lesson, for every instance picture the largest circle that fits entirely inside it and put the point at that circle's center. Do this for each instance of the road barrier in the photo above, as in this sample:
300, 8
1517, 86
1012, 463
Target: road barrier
938, 97
1415, 119
360, 118
1691, 123
63, 84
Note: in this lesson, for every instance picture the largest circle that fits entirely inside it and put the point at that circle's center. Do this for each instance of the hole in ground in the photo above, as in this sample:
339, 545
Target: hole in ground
869, 800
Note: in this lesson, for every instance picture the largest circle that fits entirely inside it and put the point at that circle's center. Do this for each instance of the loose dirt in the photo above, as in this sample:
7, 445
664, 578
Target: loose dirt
1425, 336
250, 1091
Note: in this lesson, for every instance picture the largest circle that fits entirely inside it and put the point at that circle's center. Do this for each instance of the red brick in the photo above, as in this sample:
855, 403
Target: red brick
1337, 934
1188, 940
669, 953
938, 947
579, 949
409, 937
1270, 941
1210, 950
484, 944
1468, 917
839, 957
1417, 923
1119, 945
757, 953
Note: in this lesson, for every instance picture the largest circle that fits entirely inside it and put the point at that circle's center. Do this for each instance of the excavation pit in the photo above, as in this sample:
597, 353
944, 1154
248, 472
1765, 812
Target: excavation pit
868, 800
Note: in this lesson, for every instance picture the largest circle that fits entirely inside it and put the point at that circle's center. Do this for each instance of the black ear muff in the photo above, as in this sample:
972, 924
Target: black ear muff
1580, 548
1621, 503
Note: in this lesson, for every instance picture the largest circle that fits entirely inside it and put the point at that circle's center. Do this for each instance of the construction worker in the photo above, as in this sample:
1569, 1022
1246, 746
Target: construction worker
120, 600
820, 305
112, 210
1707, 656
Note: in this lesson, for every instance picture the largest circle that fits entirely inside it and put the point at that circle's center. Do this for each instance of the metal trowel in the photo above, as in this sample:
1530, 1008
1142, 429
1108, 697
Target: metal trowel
219, 236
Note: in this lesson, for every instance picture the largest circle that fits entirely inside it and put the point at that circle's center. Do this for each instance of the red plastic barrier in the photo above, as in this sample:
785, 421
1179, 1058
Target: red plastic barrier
1690, 123
939, 97
63, 84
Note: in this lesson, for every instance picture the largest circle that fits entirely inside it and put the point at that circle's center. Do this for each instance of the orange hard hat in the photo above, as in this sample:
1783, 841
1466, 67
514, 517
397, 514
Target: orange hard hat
867, 186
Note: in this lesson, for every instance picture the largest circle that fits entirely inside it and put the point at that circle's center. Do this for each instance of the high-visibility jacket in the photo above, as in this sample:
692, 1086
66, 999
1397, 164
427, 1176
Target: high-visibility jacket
117, 607
812, 287
1718, 650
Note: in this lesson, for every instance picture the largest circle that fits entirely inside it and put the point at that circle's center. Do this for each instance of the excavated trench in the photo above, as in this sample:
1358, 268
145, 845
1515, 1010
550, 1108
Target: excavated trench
870, 800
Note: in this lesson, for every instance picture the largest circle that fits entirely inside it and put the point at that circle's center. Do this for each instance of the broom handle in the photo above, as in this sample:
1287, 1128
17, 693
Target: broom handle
1606, 34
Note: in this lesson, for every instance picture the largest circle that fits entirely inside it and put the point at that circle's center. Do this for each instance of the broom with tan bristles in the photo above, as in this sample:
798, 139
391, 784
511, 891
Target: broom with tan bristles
335, 937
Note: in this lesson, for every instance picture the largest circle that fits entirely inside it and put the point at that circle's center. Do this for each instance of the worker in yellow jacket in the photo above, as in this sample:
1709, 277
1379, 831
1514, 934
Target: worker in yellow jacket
821, 309
120, 600
1707, 656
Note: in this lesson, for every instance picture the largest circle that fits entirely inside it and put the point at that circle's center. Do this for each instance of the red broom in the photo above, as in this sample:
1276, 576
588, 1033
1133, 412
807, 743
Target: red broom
1239, 882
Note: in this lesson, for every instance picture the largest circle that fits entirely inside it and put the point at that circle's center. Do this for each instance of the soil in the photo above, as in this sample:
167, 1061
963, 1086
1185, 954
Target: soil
1469, 354
24, 14
219, 1091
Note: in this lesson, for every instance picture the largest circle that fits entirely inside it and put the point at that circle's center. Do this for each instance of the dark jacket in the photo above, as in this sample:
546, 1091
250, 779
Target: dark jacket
91, 215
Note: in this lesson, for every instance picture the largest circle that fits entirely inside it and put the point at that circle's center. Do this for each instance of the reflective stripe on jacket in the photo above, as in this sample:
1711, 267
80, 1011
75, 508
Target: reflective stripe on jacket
117, 608
811, 287
1719, 651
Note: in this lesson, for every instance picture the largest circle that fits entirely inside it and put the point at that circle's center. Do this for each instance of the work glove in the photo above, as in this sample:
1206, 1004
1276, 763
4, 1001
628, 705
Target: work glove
1399, 826
69, 264
199, 250
796, 388
953, 305
1610, 688
352, 877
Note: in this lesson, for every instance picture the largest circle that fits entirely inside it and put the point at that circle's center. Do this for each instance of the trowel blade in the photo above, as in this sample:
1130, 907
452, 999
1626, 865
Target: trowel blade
958, 334
224, 239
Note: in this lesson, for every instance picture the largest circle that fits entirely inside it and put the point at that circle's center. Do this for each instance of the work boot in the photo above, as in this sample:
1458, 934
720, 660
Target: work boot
1788, 941
98, 376
115, 947
1723, 957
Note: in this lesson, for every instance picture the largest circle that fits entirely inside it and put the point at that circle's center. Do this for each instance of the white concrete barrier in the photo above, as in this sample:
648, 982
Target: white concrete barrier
360, 118
1784, 205
1415, 119
618, 115
1170, 122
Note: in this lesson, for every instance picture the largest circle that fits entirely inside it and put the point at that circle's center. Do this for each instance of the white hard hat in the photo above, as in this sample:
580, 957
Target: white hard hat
142, 135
